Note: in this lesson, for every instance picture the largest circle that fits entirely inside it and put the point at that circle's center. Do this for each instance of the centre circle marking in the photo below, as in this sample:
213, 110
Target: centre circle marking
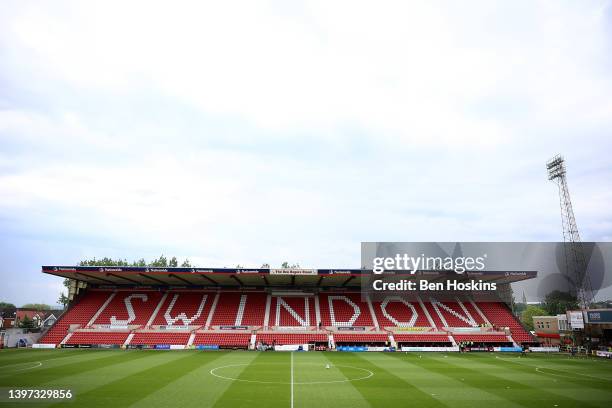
364, 377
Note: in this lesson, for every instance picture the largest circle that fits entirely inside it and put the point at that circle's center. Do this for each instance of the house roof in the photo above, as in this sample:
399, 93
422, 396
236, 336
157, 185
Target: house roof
42, 314
53, 313
30, 314
7, 314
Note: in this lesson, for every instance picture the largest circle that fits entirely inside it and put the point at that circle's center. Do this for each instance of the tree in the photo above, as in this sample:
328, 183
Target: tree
161, 262
26, 323
518, 308
528, 313
63, 300
265, 266
606, 304
36, 306
106, 261
141, 262
286, 265
558, 302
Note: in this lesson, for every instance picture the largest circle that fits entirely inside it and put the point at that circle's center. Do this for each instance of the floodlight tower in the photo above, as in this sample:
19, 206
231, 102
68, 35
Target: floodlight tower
575, 260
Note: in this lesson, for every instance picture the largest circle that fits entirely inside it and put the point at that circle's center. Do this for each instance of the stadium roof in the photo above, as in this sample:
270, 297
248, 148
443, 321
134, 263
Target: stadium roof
242, 277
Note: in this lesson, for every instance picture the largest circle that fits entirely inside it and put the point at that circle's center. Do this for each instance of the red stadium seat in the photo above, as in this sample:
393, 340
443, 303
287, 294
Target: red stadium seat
500, 315
394, 311
97, 337
421, 338
130, 308
79, 313
184, 308
228, 309
292, 338
154, 338
481, 338
354, 338
344, 309
222, 339
286, 311
137, 308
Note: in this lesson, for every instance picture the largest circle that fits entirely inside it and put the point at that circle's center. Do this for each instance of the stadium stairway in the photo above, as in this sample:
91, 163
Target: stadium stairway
293, 311
344, 309
397, 312
500, 315
79, 313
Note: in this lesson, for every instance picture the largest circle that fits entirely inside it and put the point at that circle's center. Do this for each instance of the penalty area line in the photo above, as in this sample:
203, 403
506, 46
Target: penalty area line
571, 376
9, 370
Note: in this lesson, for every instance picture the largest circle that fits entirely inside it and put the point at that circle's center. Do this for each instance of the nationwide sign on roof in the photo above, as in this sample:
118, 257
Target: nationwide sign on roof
154, 276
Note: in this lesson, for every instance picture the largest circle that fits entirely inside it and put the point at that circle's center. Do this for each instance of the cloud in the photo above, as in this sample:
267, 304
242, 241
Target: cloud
267, 132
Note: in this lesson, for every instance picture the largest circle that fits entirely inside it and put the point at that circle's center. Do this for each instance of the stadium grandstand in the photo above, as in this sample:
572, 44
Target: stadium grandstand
146, 307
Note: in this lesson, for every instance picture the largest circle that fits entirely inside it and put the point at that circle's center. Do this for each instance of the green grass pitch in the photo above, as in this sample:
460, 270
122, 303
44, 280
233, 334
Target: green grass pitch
140, 378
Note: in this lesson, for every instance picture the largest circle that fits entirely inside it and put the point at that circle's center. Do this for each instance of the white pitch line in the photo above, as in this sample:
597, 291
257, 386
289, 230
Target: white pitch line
539, 370
12, 370
292, 379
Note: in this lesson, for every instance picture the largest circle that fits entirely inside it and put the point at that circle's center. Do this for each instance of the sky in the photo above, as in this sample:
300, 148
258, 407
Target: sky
268, 131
